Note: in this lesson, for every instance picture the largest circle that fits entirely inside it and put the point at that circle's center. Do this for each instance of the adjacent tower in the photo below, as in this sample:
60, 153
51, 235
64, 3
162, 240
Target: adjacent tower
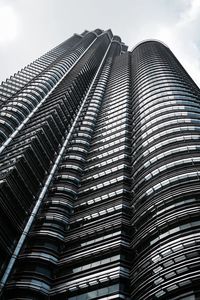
166, 165
100, 174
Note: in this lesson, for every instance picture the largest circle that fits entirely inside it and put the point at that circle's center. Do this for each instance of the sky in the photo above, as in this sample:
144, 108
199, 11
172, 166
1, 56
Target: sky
29, 28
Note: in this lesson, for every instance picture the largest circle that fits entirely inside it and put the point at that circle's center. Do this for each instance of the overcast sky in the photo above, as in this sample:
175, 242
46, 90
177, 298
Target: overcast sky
29, 28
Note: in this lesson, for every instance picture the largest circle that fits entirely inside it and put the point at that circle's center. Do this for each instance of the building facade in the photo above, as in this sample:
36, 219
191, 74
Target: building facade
99, 187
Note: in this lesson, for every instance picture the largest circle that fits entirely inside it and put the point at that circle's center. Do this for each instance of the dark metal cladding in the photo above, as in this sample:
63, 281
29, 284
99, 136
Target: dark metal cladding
100, 168
166, 169
26, 160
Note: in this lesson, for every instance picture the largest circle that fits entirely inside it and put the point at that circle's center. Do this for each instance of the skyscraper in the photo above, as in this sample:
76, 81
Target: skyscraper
100, 174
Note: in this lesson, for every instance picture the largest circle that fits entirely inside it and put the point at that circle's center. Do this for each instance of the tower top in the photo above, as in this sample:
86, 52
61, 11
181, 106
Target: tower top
147, 41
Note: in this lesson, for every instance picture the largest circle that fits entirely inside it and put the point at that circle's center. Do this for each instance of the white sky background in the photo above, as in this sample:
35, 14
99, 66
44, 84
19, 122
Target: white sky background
29, 28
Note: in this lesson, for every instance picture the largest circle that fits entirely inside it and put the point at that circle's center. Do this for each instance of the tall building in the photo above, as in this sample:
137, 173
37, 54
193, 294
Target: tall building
100, 168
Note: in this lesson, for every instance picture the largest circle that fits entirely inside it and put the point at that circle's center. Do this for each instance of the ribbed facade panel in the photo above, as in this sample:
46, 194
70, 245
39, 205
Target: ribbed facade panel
99, 174
57, 252
166, 165
26, 160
